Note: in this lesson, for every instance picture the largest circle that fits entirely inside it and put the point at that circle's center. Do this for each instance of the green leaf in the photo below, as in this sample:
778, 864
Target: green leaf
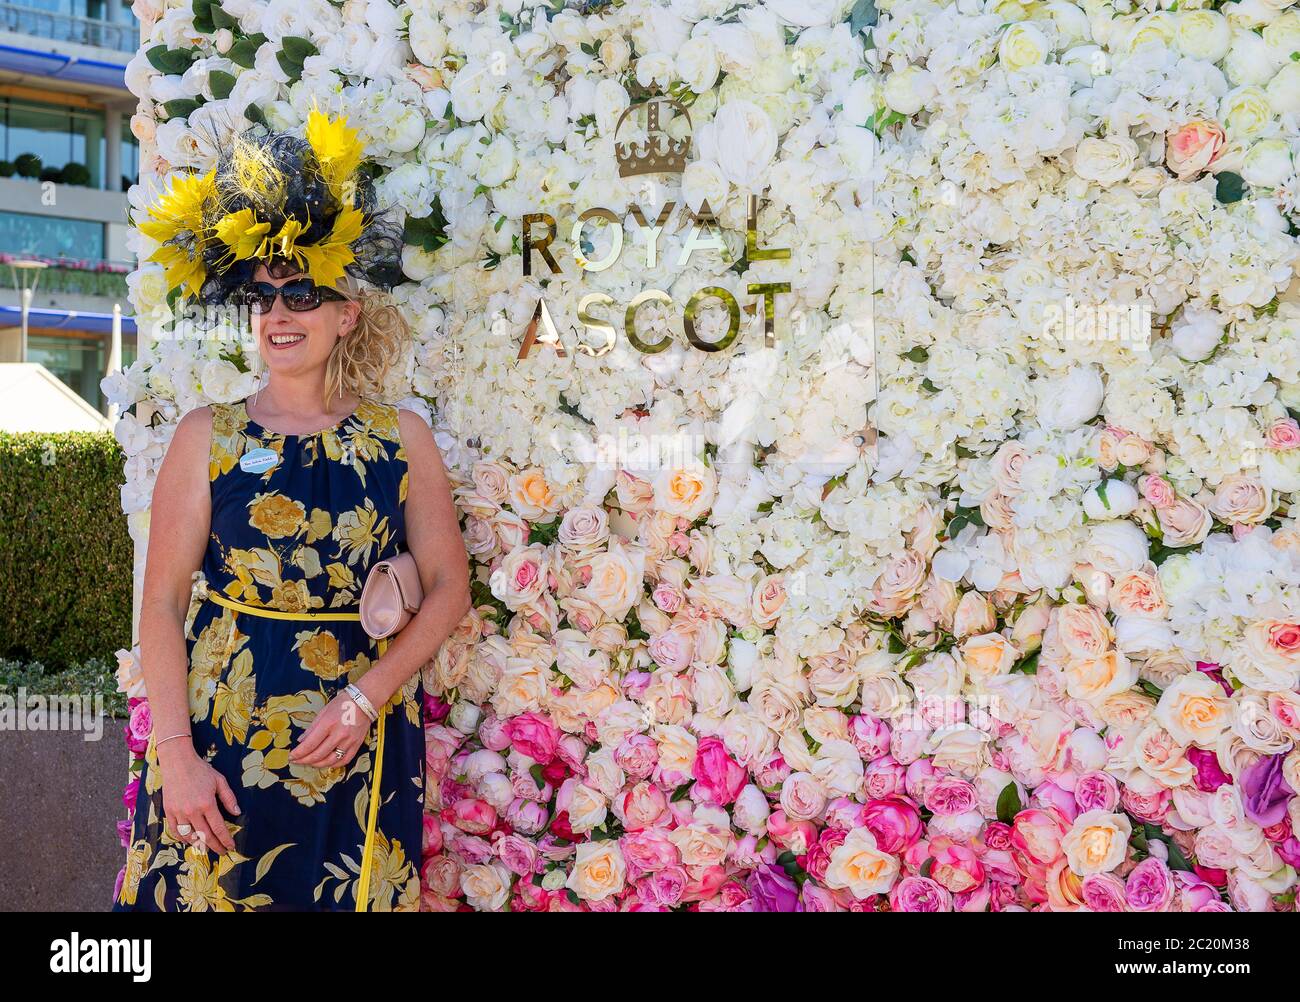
864, 15
297, 49
203, 16
1028, 665
1101, 493
917, 354
170, 61
222, 83
1229, 187
1009, 804
182, 107
244, 52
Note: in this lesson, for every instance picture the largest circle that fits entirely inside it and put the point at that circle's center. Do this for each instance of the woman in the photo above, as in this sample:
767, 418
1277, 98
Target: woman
257, 780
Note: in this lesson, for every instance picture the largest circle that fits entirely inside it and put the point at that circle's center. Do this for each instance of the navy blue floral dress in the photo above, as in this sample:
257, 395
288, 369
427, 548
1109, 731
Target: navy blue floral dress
298, 537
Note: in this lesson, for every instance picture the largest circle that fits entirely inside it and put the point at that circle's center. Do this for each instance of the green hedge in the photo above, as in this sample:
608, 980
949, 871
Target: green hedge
65, 554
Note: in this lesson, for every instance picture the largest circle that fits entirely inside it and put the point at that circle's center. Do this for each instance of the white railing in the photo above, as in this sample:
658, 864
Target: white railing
67, 28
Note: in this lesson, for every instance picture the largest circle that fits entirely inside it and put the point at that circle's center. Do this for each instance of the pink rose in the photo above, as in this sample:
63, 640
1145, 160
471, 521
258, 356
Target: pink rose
1190, 149
1284, 434
667, 598
883, 778
870, 737
641, 806
1104, 892
1153, 807
956, 866
673, 649
528, 817
648, 851
138, 728
432, 840
895, 823
1157, 491
1096, 791
950, 796
1149, 887
663, 887
919, 894
533, 735
718, 777
637, 755
469, 815
518, 855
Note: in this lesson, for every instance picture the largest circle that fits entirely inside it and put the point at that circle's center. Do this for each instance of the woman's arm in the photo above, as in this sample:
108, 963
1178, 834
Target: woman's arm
433, 537
179, 521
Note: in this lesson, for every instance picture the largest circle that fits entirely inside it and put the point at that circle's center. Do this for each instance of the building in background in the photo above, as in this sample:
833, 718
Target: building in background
67, 157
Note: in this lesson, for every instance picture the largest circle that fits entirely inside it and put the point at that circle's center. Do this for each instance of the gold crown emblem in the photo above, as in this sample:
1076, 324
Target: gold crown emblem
658, 152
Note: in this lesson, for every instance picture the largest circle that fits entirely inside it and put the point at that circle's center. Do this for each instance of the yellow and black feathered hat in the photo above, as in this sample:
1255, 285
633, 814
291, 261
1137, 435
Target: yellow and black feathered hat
273, 195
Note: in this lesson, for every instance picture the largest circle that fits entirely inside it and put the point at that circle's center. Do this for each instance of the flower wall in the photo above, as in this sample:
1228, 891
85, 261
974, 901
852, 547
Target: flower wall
1029, 641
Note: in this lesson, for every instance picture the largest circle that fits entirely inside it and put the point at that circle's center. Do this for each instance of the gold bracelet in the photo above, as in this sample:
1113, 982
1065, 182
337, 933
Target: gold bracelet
182, 734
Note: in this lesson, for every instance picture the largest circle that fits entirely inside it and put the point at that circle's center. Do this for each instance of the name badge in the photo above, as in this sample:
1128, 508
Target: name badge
258, 460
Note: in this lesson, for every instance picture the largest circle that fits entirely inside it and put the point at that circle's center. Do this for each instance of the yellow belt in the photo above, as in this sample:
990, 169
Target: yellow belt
368, 854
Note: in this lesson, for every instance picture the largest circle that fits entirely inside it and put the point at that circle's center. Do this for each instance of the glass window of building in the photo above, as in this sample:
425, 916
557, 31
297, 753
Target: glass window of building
51, 236
78, 361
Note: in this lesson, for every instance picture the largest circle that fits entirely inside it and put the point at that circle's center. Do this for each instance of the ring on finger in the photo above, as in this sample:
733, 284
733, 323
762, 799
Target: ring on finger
184, 831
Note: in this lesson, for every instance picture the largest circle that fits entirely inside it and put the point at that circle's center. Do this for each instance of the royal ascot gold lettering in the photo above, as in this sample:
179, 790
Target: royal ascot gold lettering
711, 239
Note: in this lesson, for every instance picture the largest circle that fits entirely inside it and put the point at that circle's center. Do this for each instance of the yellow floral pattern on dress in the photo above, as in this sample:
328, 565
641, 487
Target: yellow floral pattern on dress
298, 539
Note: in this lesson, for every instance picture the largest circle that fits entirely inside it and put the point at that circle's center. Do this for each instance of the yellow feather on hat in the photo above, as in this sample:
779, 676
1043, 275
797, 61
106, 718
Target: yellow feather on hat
337, 149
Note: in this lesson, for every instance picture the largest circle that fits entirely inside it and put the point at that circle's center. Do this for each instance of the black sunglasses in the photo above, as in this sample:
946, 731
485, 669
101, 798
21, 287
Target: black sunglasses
300, 295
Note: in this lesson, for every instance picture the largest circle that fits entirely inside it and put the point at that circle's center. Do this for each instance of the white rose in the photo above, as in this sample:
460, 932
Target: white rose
697, 63
1203, 34
1267, 164
1106, 161
703, 181
1070, 401
1023, 45
428, 37
1283, 90
909, 90
1196, 333
497, 164
741, 140
1110, 499
1117, 547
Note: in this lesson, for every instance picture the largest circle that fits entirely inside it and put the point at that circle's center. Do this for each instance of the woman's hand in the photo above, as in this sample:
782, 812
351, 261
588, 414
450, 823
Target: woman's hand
190, 791
342, 725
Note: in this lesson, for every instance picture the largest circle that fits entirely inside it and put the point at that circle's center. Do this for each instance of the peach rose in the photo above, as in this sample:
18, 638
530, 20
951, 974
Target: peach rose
858, 866
616, 579
584, 528
1242, 499
1083, 631
986, 656
899, 583
1138, 593
1094, 679
599, 871
974, 615
1194, 710
1097, 842
531, 496
1191, 148
687, 493
491, 480
768, 600
1007, 464
1184, 523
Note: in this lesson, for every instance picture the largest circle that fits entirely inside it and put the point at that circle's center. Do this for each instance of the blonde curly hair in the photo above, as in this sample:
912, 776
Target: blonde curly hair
361, 360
